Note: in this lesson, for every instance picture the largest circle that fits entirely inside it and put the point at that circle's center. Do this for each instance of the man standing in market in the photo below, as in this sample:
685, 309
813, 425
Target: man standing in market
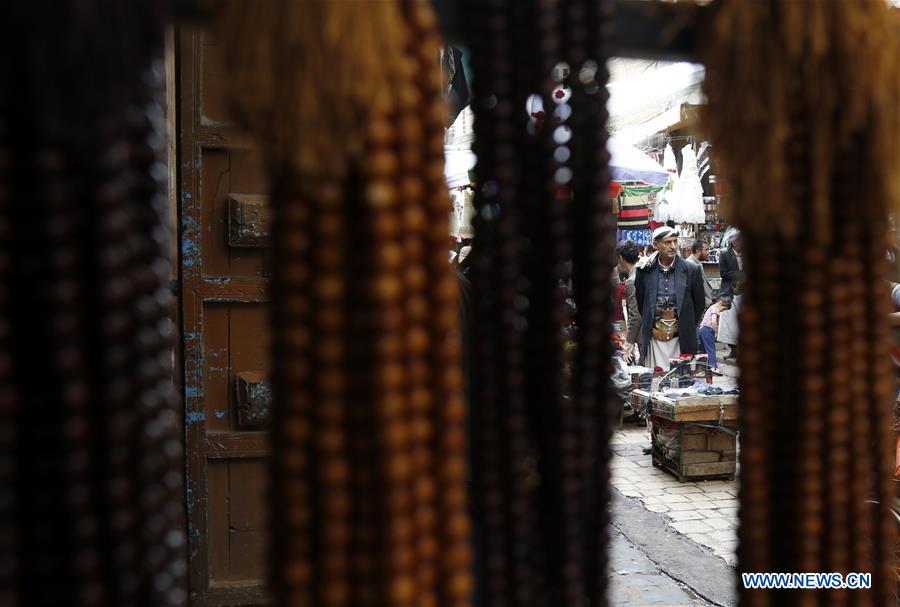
699, 253
671, 299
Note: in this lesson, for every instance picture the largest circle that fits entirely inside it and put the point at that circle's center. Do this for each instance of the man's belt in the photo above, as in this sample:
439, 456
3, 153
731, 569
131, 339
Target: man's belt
666, 326
665, 330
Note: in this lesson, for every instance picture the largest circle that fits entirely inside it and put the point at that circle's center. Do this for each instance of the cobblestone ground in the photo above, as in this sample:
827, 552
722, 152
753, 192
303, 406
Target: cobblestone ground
636, 581
705, 512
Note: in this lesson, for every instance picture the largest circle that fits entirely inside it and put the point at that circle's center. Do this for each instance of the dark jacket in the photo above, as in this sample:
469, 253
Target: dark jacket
730, 272
689, 301
633, 335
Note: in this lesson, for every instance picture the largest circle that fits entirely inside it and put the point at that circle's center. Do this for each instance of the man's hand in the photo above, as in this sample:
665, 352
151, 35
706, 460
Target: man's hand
628, 354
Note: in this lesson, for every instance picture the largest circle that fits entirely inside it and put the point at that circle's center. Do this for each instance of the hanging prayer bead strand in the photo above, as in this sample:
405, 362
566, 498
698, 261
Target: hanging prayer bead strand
9, 400
330, 415
811, 104
491, 64
291, 550
406, 256
64, 299
391, 405
754, 491
450, 414
592, 253
881, 389
114, 219
813, 369
159, 452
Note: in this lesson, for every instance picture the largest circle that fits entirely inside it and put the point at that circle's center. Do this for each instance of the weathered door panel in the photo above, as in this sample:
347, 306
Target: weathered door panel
225, 268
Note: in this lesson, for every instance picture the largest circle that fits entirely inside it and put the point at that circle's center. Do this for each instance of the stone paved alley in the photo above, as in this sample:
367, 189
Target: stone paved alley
705, 512
673, 544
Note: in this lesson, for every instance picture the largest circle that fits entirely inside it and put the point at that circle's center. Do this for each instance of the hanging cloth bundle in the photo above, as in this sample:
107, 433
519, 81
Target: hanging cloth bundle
633, 212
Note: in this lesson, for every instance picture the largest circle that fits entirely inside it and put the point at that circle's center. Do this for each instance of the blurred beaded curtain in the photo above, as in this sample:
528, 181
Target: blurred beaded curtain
368, 501
803, 112
91, 491
541, 423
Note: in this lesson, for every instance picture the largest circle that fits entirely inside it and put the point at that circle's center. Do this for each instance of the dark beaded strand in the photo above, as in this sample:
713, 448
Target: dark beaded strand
491, 63
517, 293
9, 401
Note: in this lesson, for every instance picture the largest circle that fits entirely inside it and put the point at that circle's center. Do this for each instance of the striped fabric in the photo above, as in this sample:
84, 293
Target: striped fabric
634, 213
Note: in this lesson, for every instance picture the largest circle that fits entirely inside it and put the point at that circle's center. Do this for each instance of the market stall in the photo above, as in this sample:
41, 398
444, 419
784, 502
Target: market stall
636, 178
693, 424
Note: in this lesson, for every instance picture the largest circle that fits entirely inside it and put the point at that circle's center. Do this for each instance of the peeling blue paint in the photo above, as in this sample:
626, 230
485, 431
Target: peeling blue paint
192, 392
220, 414
189, 251
195, 416
193, 532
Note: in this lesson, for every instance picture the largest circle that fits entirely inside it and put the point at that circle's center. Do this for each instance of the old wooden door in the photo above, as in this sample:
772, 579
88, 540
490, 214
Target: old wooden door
225, 269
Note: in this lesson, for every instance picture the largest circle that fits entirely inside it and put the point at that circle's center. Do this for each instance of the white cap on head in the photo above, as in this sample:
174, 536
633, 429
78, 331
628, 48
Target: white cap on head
664, 232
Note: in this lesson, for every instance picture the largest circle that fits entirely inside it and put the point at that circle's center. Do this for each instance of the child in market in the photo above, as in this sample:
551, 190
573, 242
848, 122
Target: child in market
709, 328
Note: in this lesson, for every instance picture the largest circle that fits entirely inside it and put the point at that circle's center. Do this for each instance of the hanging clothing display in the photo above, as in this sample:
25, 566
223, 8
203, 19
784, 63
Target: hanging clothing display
687, 192
669, 162
639, 237
665, 209
633, 212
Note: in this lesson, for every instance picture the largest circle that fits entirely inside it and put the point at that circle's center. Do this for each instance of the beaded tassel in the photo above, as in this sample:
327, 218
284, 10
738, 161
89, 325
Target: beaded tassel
449, 416
494, 269
9, 398
91, 440
369, 504
592, 252
816, 477
541, 536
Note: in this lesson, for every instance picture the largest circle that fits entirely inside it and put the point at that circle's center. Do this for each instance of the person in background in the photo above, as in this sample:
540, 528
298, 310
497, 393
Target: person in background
894, 318
893, 254
670, 299
709, 328
731, 266
628, 254
731, 263
618, 316
699, 253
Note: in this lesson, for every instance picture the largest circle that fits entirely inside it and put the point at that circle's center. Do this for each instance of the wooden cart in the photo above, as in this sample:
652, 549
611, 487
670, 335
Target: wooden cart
693, 437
